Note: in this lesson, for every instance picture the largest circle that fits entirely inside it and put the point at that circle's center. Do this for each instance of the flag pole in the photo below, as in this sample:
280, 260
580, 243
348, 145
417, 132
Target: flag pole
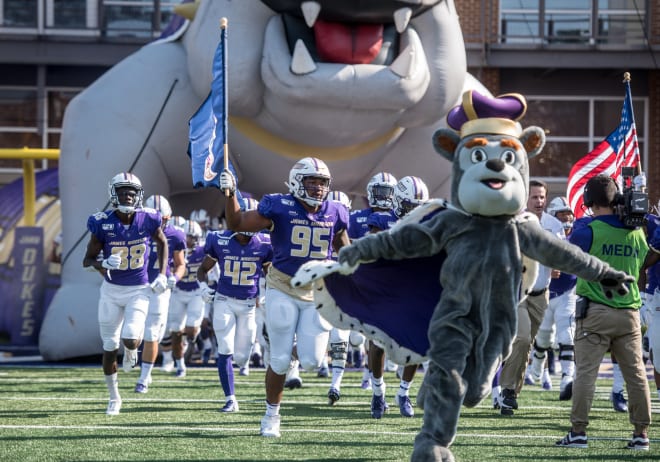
626, 82
223, 37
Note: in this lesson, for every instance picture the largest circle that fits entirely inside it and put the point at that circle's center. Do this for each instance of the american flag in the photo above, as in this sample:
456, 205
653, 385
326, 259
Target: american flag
618, 150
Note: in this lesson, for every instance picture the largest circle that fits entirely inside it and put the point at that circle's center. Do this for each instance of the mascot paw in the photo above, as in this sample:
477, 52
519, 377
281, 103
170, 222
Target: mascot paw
429, 450
617, 285
313, 270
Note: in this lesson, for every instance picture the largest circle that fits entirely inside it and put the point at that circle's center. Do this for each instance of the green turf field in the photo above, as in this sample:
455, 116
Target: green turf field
58, 414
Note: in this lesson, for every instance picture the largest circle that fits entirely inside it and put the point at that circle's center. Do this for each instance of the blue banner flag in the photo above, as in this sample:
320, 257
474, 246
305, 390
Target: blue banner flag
208, 128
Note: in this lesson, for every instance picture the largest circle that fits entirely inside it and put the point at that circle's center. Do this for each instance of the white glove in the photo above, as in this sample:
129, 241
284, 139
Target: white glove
207, 293
227, 182
112, 262
171, 281
160, 284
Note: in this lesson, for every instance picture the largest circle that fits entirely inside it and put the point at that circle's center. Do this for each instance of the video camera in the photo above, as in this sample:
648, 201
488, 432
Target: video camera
633, 204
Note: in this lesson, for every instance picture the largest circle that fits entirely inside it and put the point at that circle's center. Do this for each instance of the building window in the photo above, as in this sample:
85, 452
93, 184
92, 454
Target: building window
573, 22
21, 124
574, 126
19, 13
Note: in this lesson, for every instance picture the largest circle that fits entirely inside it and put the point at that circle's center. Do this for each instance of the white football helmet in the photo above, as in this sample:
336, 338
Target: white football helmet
192, 228
178, 222
161, 204
125, 180
410, 192
380, 190
304, 168
200, 216
560, 204
341, 197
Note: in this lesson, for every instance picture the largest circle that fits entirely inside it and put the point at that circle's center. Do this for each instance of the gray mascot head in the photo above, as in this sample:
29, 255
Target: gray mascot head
490, 151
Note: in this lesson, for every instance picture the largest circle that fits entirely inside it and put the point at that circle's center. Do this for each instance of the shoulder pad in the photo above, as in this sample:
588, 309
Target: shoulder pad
98, 216
150, 210
526, 217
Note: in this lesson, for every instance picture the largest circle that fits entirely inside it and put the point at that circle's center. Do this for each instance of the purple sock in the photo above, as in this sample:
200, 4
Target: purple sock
226, 373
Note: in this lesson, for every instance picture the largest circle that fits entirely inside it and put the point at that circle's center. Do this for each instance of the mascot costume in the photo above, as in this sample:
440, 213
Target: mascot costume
476, 243
361, 85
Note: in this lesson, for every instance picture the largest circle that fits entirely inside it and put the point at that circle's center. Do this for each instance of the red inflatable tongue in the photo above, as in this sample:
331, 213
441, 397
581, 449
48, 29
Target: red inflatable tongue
346, 43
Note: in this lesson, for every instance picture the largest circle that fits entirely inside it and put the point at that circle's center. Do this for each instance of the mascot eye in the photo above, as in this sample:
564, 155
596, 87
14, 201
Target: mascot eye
478, 155
508, 157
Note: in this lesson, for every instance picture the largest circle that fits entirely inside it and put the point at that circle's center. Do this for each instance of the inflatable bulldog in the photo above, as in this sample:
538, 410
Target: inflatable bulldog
361, 85
476, 244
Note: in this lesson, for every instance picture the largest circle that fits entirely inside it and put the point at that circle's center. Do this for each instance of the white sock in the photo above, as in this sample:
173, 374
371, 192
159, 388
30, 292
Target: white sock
167, 356
113, 385
272, 409
180, 363
337, 375
378, 385
404, 388
617, 385
207, 343
145, 372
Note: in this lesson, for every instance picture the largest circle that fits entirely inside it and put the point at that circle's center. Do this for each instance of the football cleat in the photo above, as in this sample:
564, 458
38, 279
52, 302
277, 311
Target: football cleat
130, 359
546, 382
366, 384
566, 388
333, 396
114, 406
230, 406
405, 406
245, 371
323, 372
378, 406
270, 426
573, 440
293, 383
508, 402
180, 373
619, 402
495, 394
168, 366
141, 388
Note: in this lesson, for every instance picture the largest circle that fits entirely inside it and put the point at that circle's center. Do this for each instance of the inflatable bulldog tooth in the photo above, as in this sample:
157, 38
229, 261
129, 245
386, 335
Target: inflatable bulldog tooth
296, 88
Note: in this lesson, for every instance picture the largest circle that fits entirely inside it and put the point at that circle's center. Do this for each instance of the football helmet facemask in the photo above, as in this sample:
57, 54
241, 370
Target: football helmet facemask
125, 180
380, 190
409, 193
560, 204
309, 167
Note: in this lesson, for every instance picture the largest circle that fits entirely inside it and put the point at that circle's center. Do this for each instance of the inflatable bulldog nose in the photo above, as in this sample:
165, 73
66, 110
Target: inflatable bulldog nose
483, 114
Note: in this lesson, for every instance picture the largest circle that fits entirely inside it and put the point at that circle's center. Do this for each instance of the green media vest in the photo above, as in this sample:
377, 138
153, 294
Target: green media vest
624, 249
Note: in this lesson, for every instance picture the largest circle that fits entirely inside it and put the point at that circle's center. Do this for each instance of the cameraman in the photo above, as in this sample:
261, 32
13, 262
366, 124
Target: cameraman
610, 323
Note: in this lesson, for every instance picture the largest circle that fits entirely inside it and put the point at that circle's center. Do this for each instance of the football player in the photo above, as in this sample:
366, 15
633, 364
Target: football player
303, 226
380, 198
242, 256
159, 302
118, 249
188, 300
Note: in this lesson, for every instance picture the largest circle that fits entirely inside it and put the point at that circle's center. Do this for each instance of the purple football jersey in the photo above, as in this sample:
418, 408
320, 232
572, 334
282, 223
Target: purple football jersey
131, 243
299, 236
358, 223
240, 265
194, 259
382, 220
176, 240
